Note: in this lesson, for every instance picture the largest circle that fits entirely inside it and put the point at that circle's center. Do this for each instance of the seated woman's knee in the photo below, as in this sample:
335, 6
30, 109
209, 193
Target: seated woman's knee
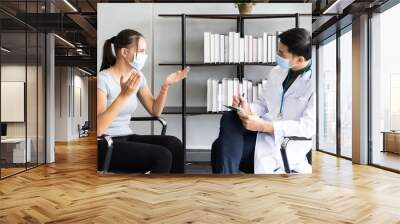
173, 142
162, 154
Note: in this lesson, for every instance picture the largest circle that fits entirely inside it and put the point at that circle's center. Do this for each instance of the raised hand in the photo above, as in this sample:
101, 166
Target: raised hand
176, 76
130, 85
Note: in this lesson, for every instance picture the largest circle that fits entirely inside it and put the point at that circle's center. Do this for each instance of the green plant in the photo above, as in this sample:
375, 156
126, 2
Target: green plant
239, 3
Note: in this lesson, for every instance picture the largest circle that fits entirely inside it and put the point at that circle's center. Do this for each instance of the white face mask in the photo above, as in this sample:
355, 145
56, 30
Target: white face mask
139, 61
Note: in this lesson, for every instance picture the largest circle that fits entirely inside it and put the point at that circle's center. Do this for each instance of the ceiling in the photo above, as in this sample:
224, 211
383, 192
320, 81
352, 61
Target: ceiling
76, 21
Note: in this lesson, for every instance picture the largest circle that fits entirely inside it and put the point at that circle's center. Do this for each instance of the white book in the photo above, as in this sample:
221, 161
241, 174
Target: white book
273, 48
216, 47
236, 48
240, 89
221, 48
219, 96
255, 48
225, 99
250, 49
264, 83
244, 89
260, 89
209, 95
269, 56
249, 91
207, 36
241, 50
212, 47
246, 49
226, 49
265, 48
255, 92
260, 50
230, 92
231, 45
214, 95
235, 87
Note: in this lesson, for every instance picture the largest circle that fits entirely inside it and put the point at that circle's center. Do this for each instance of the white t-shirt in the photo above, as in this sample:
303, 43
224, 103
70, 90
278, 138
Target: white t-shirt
107, 83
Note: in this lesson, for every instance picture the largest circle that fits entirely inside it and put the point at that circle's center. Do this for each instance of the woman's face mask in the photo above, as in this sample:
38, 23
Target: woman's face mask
139, 61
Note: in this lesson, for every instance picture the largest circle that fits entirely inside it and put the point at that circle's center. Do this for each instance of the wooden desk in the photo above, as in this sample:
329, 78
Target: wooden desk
391, 141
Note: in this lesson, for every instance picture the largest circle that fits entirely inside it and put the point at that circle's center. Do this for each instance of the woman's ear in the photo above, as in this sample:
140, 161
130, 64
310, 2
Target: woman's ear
124, 52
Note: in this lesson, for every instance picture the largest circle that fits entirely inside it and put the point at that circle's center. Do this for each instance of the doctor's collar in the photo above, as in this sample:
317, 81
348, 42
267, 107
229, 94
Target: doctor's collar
305, 73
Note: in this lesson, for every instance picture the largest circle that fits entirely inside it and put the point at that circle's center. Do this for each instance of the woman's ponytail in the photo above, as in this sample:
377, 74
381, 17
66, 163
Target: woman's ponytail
108, 56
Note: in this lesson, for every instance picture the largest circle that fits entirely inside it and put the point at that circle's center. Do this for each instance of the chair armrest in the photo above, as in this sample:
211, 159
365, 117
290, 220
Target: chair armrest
285, 141
162, 121
107, 159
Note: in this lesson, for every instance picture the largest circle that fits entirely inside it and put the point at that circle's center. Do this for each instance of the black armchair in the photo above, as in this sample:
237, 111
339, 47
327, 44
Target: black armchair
285, 141
109, 146
83, 131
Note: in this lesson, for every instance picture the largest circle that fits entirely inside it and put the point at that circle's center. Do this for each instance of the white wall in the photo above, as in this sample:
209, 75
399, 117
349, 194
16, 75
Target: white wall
68, 82
163, 37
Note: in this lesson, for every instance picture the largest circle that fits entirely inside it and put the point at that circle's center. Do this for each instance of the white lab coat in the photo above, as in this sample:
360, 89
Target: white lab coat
299, 119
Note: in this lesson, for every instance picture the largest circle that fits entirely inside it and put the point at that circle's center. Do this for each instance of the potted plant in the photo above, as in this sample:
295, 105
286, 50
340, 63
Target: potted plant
245, 7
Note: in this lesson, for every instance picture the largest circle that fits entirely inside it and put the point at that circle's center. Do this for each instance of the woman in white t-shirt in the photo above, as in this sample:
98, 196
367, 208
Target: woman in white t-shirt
120, 83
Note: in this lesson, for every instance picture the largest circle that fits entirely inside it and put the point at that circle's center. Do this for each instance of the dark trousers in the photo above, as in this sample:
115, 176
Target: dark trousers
233, 151
142, 153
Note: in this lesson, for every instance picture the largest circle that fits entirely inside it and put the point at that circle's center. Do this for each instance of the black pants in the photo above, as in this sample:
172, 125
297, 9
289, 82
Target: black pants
142, 153
234, 148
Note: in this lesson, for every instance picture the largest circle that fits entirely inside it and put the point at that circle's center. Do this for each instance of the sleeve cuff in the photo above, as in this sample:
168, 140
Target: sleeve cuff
278, 132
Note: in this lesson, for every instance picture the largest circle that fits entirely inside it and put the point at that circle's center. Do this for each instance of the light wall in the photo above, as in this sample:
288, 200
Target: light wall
71, 87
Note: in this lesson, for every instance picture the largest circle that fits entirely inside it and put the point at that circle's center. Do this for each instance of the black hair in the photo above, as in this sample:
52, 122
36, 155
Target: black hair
298, 41
122, 40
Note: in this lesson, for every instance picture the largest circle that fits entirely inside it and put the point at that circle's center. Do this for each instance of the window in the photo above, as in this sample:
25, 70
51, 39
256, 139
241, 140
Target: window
385, 89
327, 96
346, 93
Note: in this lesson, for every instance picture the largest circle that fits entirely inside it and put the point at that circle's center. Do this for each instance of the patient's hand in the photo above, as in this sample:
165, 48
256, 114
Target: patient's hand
176, 76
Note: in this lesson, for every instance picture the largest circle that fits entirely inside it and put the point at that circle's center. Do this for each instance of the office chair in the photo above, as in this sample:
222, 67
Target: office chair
84, 129
284, 144
103, 167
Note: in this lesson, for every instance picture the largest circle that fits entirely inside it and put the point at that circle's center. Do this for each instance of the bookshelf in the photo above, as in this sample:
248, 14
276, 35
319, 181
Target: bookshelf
185, 111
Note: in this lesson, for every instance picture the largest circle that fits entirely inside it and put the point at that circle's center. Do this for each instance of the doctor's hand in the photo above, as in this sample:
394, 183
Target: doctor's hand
252, 122
240, 101
176, 76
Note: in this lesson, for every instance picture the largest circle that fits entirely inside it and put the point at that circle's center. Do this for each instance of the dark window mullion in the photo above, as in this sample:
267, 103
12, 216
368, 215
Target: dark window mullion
338, 95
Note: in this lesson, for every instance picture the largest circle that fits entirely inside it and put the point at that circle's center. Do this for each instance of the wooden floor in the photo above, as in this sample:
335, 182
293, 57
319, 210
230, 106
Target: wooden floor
70, 191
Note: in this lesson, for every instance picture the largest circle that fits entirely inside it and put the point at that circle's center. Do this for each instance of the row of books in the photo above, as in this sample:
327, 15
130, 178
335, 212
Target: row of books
221, 92
232, 48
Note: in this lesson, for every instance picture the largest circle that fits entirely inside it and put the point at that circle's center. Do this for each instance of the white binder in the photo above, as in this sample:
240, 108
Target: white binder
241, 50
260, 50
230, 91
209, 95
216, 47
236, 48
221, 48
207, 47
265, 48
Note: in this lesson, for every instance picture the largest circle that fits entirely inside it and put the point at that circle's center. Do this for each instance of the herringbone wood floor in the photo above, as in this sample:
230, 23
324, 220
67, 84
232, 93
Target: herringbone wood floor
70, 191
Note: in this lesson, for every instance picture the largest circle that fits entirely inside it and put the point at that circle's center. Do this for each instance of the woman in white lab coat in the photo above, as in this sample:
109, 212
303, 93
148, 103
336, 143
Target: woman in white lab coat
250, 140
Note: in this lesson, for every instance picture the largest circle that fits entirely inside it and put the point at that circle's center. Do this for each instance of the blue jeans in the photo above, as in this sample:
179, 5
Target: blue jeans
233, 150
